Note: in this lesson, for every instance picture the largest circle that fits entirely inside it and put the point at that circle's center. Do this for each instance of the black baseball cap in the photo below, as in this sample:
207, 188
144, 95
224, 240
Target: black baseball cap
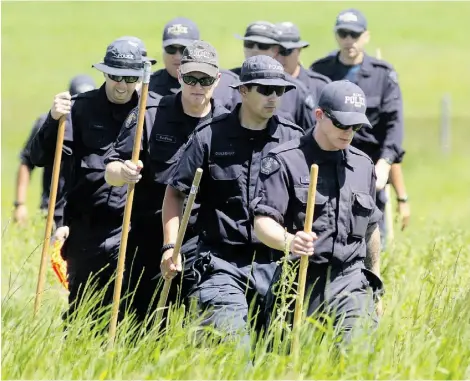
180, 31
289, 36
81, 83
351, 19
346, 102
200, 56
122, 58
263, 70
141, 46
263, 32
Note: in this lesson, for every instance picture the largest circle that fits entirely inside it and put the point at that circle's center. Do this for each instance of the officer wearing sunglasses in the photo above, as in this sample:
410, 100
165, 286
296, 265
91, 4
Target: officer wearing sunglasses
289, 57
262, 38
230, 259
169, 122
344, 246
177, 35
93, 210
378, 80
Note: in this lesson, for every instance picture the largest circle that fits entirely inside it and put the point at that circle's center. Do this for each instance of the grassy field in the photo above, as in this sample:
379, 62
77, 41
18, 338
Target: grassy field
425, 331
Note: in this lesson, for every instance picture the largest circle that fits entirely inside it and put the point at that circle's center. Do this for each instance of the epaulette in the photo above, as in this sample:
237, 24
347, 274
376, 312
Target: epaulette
86, 94
287, 122
287, 146
378, 62
358, 152
212, 121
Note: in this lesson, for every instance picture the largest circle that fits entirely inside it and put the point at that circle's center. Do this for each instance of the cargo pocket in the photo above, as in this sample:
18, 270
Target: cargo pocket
362, 207
225, 181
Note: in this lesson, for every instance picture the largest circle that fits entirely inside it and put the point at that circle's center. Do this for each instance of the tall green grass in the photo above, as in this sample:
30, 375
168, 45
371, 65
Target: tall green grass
423, 334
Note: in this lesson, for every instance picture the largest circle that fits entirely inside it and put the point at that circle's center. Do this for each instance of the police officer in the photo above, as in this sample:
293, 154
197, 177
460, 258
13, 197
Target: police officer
94, 210
177, 34
262, 37
289, 57
169, 122
344, 245
77, 85
232, 267
379, 82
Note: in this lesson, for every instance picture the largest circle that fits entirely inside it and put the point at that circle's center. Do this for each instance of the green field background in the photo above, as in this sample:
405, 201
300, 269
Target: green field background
44, 44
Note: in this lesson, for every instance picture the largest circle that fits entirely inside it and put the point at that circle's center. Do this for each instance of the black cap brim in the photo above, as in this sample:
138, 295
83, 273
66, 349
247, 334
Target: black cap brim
294, 45
351, 27
351, 118
267, 82
117, 71
260, 39
177, 41
202, 67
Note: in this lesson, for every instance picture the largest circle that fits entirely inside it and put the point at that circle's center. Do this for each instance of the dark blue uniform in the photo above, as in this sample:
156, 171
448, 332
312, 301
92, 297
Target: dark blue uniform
25, 159
162, 83
232, 266
94, 209
379, 82
344, 209
166, 130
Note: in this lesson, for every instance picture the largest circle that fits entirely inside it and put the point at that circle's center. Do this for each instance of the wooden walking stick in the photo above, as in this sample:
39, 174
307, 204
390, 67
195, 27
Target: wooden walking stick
50, 213
299, 303
179, 240
388, 206
128, 207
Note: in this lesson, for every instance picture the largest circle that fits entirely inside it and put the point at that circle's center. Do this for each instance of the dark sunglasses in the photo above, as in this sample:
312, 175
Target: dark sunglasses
204, 81
172, 49
342, 33
252, 44
268, 90
355, 127
285, 52
120, 78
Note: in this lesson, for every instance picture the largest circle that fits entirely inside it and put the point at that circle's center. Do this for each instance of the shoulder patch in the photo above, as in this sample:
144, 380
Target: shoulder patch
131, 118
269, 164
